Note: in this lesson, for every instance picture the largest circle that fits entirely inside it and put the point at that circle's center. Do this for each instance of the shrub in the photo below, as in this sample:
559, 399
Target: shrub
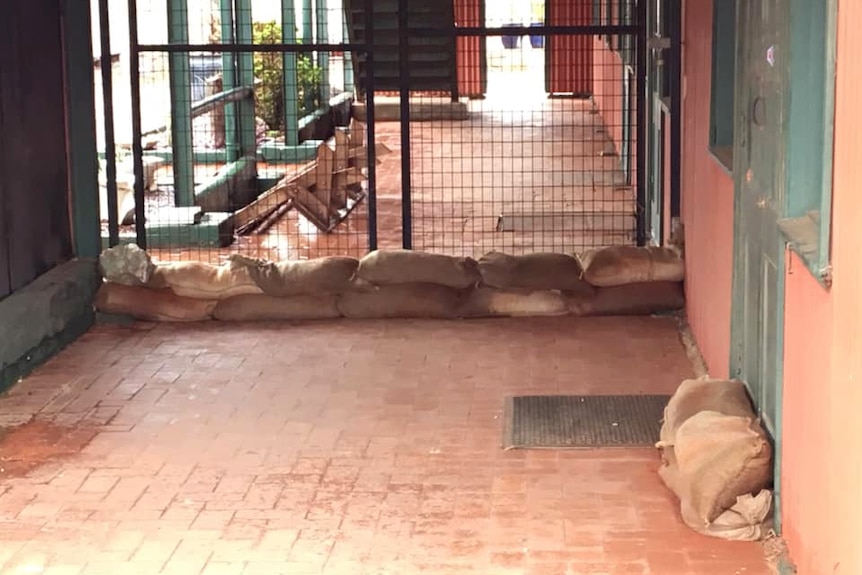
269, 69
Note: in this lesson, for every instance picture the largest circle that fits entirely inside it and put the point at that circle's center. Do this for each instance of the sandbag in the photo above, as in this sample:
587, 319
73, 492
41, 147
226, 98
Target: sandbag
327, 275
492, 302
258, 307
400, 301
721, 457
541, 271
621, 265
126, 264
393, 267
151, 304
205, 281
644, 298
728, 397
749, 519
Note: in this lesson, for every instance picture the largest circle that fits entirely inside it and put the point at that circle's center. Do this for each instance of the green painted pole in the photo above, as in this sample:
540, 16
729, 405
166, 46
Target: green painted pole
182, 142
229, 81
289, 81
81, 122
323, 56
245, 77
348, 57
307, 26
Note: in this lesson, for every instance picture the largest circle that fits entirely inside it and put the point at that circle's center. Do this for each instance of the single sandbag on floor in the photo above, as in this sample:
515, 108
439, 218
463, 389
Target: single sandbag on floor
419, 300
492, 302
327, 275
205, 281
643, 298
728, 397
540, 271
257, 307
749, 519
393, 267
721, 457
151, 304
621, 265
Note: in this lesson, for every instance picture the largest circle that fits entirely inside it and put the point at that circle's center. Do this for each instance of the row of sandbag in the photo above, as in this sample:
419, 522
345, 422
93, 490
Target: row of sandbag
717, 459
398, 283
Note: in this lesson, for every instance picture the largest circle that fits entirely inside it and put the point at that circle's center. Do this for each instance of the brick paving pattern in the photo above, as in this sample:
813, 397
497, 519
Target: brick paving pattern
343, 447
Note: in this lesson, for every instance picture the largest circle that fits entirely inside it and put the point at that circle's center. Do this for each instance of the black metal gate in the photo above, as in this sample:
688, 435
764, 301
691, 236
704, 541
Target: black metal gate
352, 125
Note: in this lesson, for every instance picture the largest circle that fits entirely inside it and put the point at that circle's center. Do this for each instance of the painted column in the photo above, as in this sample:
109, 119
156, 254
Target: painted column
81, 126
291, 88
307, 26
229, 81
322, 13
182, 141
245, 76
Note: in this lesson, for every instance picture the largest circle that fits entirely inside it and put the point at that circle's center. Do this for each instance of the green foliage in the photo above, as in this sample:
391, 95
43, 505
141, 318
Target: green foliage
269, 70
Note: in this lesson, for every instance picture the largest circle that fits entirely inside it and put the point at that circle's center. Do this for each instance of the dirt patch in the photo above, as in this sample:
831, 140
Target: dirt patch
26, 447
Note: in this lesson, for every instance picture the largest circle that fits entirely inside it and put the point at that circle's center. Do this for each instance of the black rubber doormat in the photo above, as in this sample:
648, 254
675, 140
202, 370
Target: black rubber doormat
578, 421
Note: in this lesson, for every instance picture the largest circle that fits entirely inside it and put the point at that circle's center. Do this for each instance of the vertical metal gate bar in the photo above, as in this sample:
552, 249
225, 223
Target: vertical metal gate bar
137, 148
108, 114
404, 101
369, 124
228, 35
641, 76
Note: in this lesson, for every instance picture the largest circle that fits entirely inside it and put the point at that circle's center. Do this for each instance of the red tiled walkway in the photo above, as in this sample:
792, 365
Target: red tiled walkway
339, 448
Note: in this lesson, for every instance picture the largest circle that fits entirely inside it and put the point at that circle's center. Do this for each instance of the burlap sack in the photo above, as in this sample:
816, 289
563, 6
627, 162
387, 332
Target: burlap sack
642, 298
621, 265
392, 267
492, 302
328, 275
728, 397
258, 307
400, 301
533, 272
749, 519
205, 281
721, 457
151, 304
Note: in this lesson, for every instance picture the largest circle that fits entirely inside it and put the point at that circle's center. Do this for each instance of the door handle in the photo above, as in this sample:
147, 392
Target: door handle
757, 107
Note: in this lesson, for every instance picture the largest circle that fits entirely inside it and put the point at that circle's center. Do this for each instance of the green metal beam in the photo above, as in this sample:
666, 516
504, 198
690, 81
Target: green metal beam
322, 14
348, 57
307, 22
229, 80
81, 121
245, 77
181, 105
289, 80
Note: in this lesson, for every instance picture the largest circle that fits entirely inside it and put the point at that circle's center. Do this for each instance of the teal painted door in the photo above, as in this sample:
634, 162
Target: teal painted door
759, 167
658, 106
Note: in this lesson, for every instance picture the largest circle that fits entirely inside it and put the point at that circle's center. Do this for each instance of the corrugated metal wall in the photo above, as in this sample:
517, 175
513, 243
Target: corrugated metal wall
570, 58
470, 53
35, 231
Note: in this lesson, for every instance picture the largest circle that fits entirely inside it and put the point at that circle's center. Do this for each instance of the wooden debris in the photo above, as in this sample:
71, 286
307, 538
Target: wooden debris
325, 190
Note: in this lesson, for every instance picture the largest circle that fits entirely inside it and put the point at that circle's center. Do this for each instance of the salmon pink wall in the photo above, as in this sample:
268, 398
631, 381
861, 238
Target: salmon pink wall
822, 467
707, 199
805, 437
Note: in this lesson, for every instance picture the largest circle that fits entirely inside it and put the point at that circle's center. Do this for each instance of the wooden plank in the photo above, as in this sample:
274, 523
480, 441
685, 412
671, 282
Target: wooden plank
357, 134
311, 207
268, 201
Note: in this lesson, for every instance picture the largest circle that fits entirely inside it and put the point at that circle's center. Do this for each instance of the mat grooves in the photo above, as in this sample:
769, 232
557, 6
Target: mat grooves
572, 421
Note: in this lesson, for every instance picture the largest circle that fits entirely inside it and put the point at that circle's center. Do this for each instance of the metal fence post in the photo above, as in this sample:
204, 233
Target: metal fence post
290, 81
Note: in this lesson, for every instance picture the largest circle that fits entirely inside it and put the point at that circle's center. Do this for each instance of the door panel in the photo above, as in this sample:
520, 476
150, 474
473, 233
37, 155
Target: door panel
472, 73
759, 156
569, 59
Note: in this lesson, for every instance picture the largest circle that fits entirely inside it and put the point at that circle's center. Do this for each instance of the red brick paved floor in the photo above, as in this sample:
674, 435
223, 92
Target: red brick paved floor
339, 448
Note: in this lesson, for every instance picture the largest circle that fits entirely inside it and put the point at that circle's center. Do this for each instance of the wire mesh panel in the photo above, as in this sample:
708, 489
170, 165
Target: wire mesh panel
242, 113
541, 157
